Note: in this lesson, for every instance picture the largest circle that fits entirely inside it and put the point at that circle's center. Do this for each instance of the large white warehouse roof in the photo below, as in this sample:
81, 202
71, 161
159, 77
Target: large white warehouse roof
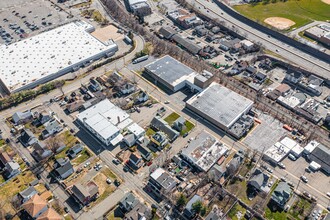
55, 52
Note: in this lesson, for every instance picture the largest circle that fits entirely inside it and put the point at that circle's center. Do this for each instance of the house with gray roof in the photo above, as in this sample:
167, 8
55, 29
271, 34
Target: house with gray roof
179, 124
40, 151
63, 168
161, 125
26, 194
22, 117
51, 128
281, 194
84, 194
161, 182
27, 138
258, 181
128, 202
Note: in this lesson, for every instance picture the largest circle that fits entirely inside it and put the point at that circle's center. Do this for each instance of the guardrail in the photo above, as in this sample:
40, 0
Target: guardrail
303, 47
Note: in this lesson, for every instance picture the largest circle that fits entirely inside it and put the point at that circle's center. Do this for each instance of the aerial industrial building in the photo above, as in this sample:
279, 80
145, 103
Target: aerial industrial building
39, 59
219, 105
105, 121
175, 75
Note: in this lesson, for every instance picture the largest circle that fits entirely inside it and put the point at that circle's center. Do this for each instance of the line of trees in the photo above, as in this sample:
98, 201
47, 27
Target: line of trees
17, 98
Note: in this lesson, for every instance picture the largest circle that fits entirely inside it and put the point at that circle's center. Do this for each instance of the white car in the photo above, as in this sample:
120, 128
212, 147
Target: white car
108, 181
304, 179
281, 165
328, 194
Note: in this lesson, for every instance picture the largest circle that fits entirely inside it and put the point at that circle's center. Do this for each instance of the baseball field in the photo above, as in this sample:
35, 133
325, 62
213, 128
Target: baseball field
297, 13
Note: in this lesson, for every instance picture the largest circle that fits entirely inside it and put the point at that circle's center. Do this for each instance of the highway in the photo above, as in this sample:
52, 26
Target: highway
293, 55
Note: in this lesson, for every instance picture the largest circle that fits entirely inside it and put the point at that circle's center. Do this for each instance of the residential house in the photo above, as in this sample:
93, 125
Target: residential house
188, 211
50, 214
22, 117
63, 168
258, 181
293, 77
139, 212
35, 206
12, 168
127, 88
167, 32
85, 194
184, 18
134, 133
74, 106
235, 163
145, 152
225, 45
161, 125
161, 183
159, 139
281, 194
51, 128
215, 30
114, 78
217, 172
128, 202
26, 194
142, 97
4, 159
135, 161
260, 77
27, 138
41, 119
200, 31
179, 124
75, 150
40, 151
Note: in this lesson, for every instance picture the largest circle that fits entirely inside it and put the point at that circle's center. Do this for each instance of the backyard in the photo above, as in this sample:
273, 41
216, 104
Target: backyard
174, 116
13, 187
301, 12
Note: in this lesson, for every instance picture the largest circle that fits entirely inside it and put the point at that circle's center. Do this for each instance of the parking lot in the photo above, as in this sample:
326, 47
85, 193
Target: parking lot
318, 180
27, 19
265, 134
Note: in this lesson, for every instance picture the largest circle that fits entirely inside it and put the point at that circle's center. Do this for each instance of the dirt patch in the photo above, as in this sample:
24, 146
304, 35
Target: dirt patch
326, 1
106, 33
279, 23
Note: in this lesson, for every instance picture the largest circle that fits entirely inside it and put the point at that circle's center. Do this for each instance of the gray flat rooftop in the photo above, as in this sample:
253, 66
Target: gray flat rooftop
170, 70
221, 104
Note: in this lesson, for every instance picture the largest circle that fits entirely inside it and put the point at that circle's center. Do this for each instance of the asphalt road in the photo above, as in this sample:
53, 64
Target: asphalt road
290, 53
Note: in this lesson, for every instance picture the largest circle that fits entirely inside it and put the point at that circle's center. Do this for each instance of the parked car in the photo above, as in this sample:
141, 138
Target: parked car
292, 157
47, 186
66, 209
304, 179
116, 161
108, 181
281, 165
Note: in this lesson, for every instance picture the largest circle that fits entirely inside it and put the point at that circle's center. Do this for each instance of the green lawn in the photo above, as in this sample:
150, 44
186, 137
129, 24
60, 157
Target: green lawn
83, 156
237, 208
275, 215
150, 132
188, 127
2, 142
171, 118
301, 12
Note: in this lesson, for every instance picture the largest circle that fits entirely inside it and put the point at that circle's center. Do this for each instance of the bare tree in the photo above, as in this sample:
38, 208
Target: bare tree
54, 143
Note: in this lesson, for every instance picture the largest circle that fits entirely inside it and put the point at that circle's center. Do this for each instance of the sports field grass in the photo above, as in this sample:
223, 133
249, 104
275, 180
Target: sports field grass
301, 12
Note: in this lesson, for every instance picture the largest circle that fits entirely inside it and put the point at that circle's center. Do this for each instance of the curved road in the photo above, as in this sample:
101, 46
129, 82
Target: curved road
292, 54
